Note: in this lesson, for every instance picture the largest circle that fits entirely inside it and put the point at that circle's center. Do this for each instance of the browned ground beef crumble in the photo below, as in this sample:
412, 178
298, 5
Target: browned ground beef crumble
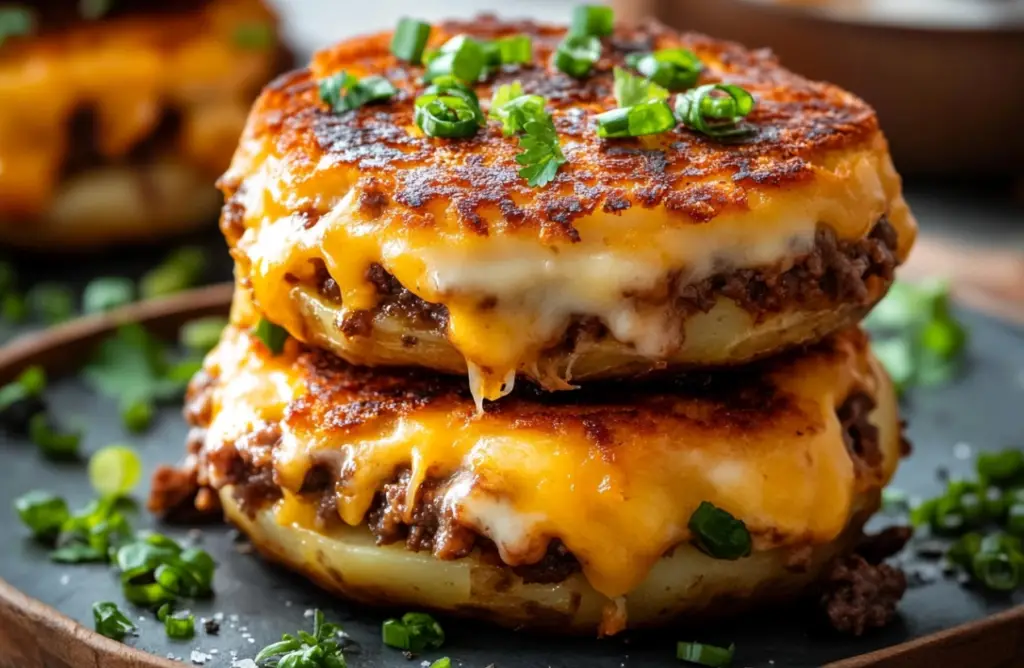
834, 271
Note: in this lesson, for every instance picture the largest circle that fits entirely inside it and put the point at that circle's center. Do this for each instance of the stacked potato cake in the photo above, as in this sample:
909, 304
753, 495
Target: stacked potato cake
556, 327
117, 115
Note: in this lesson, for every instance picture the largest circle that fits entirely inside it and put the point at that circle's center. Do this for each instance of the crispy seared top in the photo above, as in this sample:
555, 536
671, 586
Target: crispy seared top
799, 123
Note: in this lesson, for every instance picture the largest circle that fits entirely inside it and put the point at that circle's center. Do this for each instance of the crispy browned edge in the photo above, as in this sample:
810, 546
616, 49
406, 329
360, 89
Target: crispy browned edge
797, 121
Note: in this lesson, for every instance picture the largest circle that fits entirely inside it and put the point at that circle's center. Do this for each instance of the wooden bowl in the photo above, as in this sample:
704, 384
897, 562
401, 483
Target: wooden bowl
946, 76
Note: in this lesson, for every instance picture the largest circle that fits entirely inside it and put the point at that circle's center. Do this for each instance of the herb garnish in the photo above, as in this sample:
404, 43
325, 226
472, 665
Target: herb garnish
110, 621
716, 110
542, 153
647, 118
271, 335
631, 90
577, 54
52, 303
705, 655
182, 269
320, 648
595, 20
107, 293
409, 40
43, 513
344, 92
719, 534
52, 441
916, 336
674, 69
462, 57
414, 632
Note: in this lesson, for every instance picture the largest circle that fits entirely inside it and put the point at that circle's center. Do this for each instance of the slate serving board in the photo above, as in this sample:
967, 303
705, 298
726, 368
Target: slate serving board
259, 602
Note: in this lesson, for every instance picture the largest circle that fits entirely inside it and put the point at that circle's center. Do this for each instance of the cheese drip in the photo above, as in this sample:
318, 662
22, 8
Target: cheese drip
617, 505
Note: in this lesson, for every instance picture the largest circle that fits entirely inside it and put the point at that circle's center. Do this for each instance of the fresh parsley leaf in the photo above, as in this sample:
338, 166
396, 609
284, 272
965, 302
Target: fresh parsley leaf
132, 366
631, 90
916, 336
542, 154
15, 22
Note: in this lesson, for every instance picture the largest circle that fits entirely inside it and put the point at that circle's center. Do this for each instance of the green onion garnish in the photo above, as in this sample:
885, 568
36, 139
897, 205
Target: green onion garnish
998, 563
15, 22
1015, 519
114, 470
255, 36
705, 655
183, 269
42, 512
110, 621
514, 108
715, 110
674, 69
343, 92
54, 444
30, 383
296, 651
647, 118
180, 627
137, 414
51, 302
1001, 467
511, 50
631, 90
443, 662
594, 20
272, 336
409, 40
13, 308
414, 632
448, 85
719, 534
105, 294
448, 116
202, 334
576, 55
462, 57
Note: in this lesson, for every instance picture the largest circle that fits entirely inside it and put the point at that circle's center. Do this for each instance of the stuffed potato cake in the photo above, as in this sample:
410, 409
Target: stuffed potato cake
359, 233
114, 125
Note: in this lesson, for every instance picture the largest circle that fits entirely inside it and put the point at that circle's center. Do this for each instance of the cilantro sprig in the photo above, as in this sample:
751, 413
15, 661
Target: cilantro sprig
525, 114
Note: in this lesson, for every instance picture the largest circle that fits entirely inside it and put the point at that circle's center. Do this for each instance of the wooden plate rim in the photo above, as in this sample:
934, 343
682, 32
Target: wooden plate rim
79, 642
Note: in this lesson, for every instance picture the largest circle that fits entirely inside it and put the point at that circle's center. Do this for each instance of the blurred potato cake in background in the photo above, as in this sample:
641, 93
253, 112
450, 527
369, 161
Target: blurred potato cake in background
117, 116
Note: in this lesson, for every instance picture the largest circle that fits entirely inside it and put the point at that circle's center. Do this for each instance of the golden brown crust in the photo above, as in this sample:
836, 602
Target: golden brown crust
798, 123
342, 398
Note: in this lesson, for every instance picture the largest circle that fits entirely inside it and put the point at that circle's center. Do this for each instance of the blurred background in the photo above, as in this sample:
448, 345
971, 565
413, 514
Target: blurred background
946, 76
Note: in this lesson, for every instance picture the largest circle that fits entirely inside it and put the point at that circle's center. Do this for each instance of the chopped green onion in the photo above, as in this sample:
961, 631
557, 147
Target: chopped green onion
114, 470
446, 115
14, 308
42, 512
202, 334
254, 36
409, 40
15, 22
577, 54
443, 662
514, 108
1001, 467
183, 269
271, 335
631, 90
449, 85
164, 611
674, 69
52, 302
110, 621
343, 92
105, 294
705, 655
54, 444
999, 570
1015, 519
137, 414
700, 109
180, 627
415, 632
594, 20
511, 50
29, 384
647, 118
719, 534
461, 57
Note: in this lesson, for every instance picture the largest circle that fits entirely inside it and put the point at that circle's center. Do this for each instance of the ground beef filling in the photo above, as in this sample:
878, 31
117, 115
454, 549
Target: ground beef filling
834, 271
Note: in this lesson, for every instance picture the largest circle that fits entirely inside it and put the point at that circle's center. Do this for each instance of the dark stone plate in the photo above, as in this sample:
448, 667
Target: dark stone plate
983, 410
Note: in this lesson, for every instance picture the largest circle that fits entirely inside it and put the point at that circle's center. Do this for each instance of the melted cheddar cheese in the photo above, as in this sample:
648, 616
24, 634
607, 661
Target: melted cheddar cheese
532, 290
127, 71
531, 472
